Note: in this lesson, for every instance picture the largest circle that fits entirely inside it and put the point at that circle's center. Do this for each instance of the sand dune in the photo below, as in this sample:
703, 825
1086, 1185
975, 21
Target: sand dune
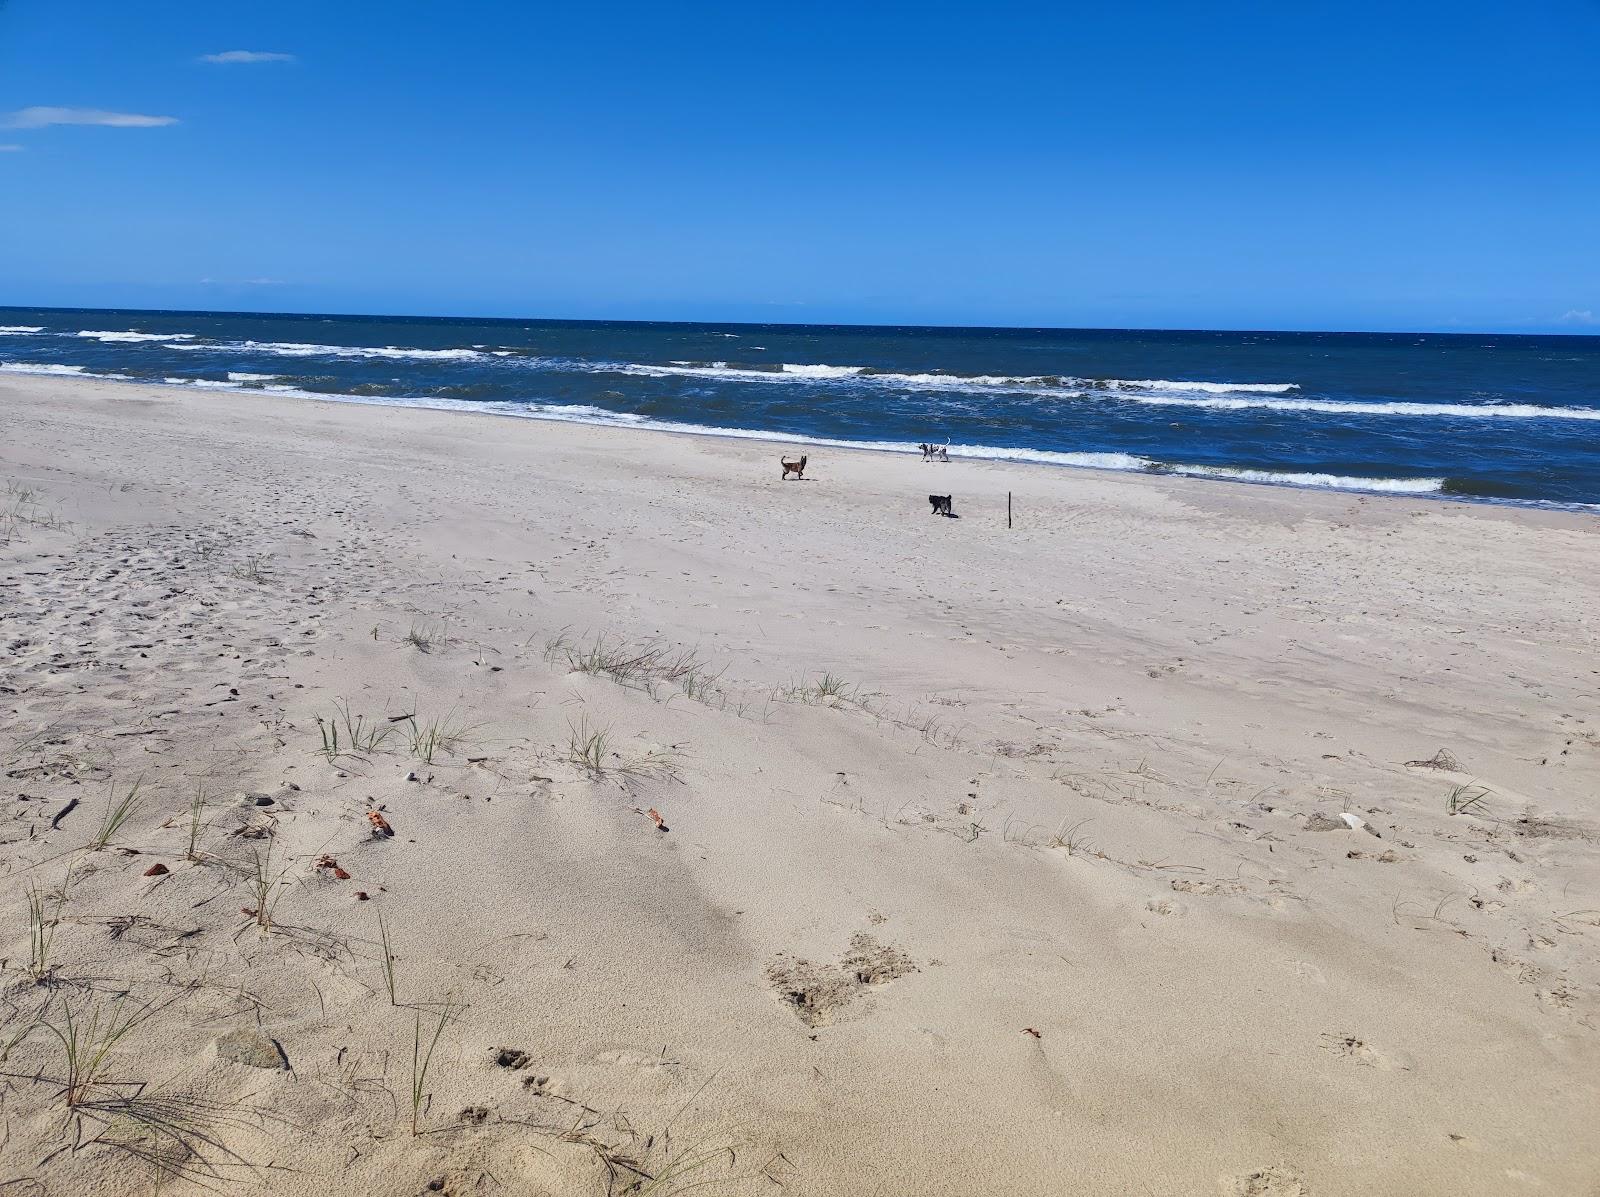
993, 862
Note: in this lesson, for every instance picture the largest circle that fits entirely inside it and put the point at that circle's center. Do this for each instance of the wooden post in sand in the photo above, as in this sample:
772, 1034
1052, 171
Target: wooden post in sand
1008, 509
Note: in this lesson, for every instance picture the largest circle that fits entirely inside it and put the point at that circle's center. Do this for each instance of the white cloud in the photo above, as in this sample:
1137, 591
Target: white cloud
1574, 316
247, 56
40, 117
10, 149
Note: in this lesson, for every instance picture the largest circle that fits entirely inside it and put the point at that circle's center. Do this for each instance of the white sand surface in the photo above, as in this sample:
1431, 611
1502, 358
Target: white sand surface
997, 861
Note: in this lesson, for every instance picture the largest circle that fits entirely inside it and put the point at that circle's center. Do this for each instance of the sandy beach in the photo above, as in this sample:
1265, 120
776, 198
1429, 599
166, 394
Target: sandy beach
528, 808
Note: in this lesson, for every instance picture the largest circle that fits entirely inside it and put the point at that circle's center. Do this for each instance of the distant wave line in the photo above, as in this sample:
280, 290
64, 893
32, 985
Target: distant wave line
1199, 395
792, 372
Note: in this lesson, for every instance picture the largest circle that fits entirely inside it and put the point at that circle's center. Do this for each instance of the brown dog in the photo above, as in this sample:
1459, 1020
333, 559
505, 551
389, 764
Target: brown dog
797, 468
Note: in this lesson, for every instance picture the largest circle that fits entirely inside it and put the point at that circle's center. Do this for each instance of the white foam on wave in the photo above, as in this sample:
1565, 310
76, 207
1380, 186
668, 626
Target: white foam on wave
1356, 407
1214, 396
298, 349
131, 337
206, 384
19, 330
43, 368
803, 371
190, 341
792, 372
240, 376
1213, 388
1393, 486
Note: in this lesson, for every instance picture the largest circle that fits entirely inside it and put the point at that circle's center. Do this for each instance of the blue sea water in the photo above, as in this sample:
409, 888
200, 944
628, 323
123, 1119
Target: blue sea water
1490, 417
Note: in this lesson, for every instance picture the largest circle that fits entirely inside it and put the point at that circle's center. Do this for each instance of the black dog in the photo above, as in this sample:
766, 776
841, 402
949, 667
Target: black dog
941, 505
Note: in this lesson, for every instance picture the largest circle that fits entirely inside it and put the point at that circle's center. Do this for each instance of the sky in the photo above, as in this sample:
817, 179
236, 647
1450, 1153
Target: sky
1315, 165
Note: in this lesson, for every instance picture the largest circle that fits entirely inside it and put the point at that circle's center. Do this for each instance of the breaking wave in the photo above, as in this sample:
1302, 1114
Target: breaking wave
790, 372
1353, 407
296, 349
45, 368
1392, 486
133, 337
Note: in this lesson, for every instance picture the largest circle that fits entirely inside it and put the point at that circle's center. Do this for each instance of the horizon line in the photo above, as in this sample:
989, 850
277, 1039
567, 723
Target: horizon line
1035, 328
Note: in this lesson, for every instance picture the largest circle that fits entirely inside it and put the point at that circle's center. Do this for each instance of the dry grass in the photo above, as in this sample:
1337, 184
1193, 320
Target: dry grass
591, 749
197, 822
827, 690
1469, 800
426, 636
1070, 837
178, 1137
588, 747
641, 665
87, 1042
653, 1165
21, 508
255, 569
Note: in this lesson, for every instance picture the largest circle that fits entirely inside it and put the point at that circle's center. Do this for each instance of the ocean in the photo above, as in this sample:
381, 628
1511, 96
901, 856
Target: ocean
1487, 417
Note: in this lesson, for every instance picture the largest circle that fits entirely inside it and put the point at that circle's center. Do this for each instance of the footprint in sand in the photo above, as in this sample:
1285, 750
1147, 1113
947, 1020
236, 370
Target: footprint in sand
1265, 1182
1352, 1048
1184, 885
817, 992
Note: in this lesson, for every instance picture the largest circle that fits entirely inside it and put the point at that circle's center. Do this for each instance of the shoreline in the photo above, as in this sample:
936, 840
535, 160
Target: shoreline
1431, 490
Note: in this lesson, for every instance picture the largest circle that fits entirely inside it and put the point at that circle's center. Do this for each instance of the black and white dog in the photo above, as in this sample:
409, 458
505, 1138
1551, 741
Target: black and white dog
941, 505
932, 452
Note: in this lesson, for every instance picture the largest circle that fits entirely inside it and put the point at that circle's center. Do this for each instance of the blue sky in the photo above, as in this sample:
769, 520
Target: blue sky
1357, 165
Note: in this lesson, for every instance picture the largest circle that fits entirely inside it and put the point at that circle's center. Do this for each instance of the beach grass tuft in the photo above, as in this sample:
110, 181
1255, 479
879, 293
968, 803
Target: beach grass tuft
592, 749
86, 1042
439, 735
389, 959
588, 747
829, 690
1070, 837
197, 821
266, 886
422, 1058
1468, 799
44, 916
118, 812
639, 665
255, 569
21, 508
425, 636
